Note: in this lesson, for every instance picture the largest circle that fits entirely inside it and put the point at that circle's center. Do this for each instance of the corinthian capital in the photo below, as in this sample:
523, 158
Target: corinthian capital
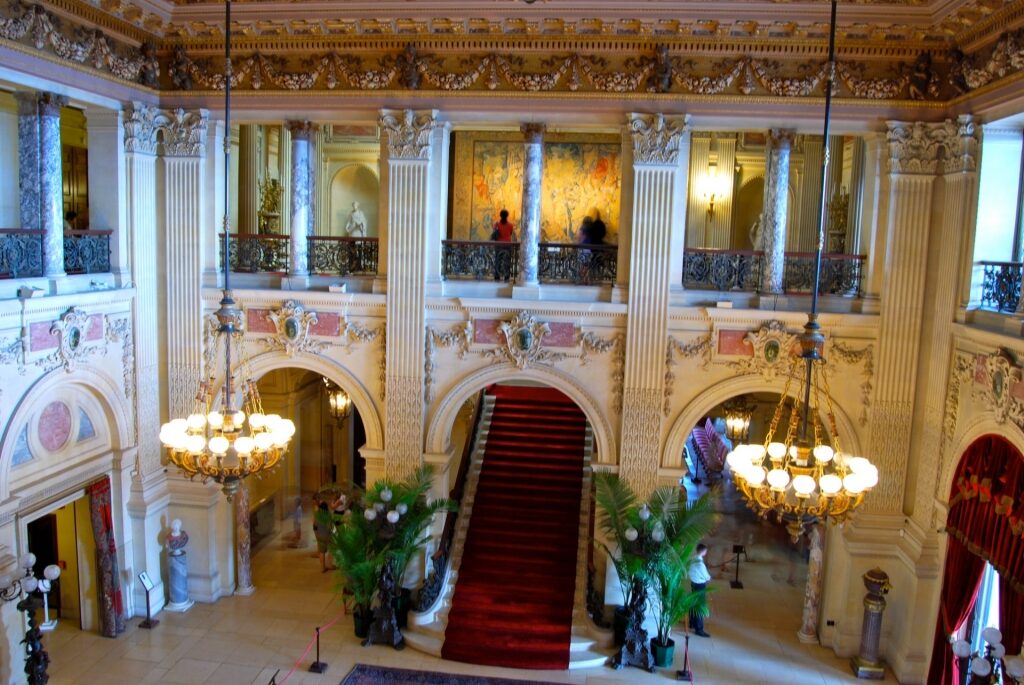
140, 128
408, 132
301, 130
50, 104
914, 146
184, 133
656, 137
962, 155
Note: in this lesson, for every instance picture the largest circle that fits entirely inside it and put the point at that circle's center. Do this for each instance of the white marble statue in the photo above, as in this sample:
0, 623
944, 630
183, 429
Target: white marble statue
757, 235
356, 226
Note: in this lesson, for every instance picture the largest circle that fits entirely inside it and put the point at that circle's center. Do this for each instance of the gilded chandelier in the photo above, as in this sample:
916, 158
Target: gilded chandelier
217, 443
801, 477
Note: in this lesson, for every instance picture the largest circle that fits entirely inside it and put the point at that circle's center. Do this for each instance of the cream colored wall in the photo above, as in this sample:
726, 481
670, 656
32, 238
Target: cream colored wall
88, 580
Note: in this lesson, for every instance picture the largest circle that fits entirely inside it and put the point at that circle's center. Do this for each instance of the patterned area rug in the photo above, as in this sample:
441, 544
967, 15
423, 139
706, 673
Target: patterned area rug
381, 675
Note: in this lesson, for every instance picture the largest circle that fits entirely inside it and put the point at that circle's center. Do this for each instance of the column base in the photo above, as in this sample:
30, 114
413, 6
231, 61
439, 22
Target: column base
295, 282
526, 292
245, 591
807, 638
380, 284
868, 670
870, 304
60, 284
179, 607
620, 294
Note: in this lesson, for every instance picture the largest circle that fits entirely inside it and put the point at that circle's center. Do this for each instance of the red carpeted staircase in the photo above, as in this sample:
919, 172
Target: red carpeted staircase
513, 601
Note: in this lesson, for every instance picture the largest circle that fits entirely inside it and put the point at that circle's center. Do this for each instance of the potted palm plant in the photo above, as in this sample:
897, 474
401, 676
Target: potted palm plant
644, 534
675, 600
388, 524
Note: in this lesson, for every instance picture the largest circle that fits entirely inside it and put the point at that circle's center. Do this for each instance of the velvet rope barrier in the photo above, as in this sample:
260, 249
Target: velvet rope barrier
309, 646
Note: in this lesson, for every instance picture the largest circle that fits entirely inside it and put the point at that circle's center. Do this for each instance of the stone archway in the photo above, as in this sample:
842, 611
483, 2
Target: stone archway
442, 416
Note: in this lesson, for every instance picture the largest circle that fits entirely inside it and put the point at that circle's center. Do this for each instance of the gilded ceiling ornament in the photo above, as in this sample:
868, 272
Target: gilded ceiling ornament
656, 137
853, 76
408, 132
523, 343
293, 324
773, 351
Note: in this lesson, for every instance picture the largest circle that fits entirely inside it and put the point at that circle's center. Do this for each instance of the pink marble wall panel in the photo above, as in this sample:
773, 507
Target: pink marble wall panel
979, 368
256, 321
563, 334
94, 329
733, 343
54, 426
40, 337
327, 323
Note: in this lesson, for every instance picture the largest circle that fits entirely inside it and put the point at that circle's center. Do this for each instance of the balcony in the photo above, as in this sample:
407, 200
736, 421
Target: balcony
21, 252
740, 270
558, 263
268, 253
1000, 286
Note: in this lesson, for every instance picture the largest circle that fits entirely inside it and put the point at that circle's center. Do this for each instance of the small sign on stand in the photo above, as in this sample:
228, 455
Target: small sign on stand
147, 583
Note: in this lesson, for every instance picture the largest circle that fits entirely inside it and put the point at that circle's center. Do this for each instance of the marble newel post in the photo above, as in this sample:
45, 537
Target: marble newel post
302, 133
243, 542
529, 220
28, 159
775, 209
808, 633
51, 184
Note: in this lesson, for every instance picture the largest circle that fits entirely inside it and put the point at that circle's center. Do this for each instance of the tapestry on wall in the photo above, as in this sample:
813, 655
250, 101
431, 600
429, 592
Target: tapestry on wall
112, 620
580, 179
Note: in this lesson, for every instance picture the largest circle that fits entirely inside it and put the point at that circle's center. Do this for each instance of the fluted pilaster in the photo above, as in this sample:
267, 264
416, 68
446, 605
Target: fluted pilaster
302, 133
775, 212
184, 164
959, 193
529, 222
248, 178
660, 146
51, 189
411, 137
284, 170
913, 162
140, 145
805, 238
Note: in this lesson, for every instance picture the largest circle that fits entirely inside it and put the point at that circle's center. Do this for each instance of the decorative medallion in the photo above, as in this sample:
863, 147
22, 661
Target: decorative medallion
70, 331
772, 355
54, 426
1001, 374
523, 342
293, 324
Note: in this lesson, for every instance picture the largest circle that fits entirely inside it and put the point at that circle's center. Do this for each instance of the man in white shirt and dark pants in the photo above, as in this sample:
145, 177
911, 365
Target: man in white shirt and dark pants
699, 578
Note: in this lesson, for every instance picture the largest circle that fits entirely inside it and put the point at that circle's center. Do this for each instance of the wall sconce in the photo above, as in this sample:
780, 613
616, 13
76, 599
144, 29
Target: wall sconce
338, 401
713, 187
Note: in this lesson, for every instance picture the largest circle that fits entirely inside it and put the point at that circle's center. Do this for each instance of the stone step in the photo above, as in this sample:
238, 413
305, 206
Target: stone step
586, 659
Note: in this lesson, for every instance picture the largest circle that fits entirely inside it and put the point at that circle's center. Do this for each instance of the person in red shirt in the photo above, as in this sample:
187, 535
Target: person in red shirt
503, 228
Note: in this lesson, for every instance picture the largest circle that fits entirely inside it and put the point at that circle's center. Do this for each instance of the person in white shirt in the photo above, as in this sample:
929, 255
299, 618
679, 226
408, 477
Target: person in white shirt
699, 578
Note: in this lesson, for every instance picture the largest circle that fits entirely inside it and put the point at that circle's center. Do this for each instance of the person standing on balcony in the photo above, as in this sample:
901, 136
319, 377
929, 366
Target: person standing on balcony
503, 228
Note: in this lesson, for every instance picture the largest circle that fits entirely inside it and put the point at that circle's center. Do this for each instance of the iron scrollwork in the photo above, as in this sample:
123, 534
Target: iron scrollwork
21, 253
86, 252
259, 253
1000, 285
578, 264
479, 260
725, 270
343, 256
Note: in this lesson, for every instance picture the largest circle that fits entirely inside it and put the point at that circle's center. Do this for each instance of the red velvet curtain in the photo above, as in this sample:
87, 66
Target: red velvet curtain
1011, 618
960, 582
112, 620
986, 506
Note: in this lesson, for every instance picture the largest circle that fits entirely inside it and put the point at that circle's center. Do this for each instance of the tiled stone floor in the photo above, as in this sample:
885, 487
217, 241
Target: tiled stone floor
245, 640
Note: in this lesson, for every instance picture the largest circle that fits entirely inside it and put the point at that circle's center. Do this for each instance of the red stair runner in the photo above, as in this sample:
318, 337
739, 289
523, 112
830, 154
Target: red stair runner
513, 601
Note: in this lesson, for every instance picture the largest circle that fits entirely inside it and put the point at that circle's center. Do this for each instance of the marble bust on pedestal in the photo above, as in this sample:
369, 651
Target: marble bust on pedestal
177, 568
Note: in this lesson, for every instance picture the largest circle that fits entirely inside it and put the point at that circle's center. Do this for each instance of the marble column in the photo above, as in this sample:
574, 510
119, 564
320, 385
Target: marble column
660, 147
248, 178
529, 219
243, 541
284, 171
28, 160
775, 212
913, 156
302, 133
808, 633
411, 188
951, 231
184, 172
51, 187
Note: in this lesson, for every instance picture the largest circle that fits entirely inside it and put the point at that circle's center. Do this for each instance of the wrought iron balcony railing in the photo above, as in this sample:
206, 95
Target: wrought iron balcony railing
475, 260
87, 252
21, 252
259, 252
741, 270
578, 264
1000, 285
333, 256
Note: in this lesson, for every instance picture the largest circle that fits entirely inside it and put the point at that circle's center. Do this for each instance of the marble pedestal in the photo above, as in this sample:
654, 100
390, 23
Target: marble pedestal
177, 576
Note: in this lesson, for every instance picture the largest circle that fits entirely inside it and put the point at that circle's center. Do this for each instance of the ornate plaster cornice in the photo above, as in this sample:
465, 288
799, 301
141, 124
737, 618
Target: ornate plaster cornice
408, 133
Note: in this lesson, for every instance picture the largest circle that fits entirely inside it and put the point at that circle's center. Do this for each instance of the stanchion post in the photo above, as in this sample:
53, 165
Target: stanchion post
685, 674
735, 583
150, 622
318, 666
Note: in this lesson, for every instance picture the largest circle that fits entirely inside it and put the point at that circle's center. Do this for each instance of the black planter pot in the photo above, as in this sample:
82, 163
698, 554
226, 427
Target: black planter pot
620, 621
663, 653
362, 618
402, 604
